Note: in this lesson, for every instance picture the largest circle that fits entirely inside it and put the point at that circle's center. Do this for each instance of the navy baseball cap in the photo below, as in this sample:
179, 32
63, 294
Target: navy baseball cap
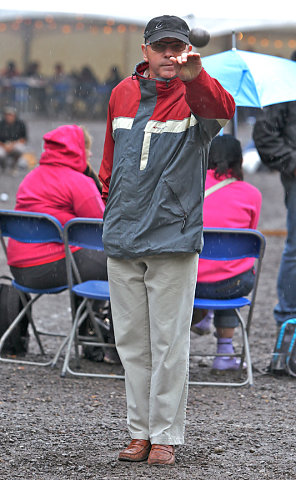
166, 26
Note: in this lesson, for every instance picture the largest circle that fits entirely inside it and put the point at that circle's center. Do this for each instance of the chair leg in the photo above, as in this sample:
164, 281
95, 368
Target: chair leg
246, 350
58, 353
27, 311
66, 367
76, 341
36, 334
245, 356
72, 338
26, 305
8, 332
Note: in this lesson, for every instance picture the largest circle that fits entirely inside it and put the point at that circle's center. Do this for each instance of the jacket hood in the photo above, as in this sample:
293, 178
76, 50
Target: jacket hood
65, 146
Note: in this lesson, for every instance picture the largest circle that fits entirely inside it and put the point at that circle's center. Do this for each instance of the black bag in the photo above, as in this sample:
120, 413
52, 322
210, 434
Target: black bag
10, 306
104, 319
284, 356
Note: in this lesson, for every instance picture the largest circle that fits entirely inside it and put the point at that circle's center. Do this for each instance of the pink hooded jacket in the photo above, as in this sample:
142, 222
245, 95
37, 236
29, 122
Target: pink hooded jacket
236, 205
57, 187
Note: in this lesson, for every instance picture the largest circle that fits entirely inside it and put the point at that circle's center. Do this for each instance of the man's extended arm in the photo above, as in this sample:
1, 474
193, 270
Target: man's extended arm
204, 94
208, 99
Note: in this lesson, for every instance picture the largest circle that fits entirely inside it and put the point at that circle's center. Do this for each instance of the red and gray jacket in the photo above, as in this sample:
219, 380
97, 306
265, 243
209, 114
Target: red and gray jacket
155, 162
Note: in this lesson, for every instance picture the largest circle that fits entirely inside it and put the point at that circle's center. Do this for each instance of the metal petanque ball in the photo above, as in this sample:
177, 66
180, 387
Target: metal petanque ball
199, 37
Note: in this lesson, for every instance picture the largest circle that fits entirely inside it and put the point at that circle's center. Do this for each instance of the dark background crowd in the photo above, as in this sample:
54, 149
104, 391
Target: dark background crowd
80, 93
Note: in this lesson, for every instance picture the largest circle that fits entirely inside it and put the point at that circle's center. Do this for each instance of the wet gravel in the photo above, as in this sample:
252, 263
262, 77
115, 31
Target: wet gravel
54, 428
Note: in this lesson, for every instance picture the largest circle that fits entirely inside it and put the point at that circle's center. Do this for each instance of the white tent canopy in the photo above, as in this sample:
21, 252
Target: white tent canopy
216, 16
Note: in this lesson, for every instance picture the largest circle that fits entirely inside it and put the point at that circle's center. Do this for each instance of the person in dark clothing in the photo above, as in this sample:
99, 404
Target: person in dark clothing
275, 139
13, 138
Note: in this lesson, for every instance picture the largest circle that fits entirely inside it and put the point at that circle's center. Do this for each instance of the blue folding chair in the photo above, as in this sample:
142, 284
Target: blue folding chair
29, 227
86, 233
232, 244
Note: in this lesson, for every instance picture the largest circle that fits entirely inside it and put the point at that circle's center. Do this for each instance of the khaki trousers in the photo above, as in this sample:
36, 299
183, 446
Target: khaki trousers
152, 302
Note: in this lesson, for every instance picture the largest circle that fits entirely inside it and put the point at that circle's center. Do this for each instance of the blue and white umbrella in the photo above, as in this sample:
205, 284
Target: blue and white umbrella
253, 79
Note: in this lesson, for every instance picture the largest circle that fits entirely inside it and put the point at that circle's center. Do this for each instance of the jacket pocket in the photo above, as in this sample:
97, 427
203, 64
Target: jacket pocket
181, 212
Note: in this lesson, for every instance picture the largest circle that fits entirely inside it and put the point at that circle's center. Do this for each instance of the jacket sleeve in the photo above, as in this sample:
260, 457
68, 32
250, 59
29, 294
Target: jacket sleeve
271, 140
208, 99
107, 161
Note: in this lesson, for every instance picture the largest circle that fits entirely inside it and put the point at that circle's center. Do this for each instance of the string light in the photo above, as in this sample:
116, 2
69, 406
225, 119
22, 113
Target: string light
49, 19
107, 30
79, 26
278, 43
252, 40
121, 28
292, 43
66, 29
264, 42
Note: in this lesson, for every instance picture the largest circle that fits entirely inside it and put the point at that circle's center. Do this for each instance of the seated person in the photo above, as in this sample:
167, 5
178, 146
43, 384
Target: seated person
13, 138
59, 186
235, 205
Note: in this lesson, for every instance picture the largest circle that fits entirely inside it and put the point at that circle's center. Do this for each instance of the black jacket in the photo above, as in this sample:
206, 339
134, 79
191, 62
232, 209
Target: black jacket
275, 137
10, 132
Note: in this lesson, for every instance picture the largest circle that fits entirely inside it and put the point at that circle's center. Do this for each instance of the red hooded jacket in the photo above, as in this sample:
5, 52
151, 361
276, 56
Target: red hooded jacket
57, 187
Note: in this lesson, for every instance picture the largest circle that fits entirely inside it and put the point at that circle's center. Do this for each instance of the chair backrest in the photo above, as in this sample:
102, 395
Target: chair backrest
84, 232
30, 227
232, 244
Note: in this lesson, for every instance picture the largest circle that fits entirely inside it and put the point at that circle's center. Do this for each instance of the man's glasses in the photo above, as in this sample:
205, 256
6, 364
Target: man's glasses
161, 47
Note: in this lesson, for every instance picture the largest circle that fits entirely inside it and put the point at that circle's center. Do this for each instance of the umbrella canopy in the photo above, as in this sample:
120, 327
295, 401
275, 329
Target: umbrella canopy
253, 79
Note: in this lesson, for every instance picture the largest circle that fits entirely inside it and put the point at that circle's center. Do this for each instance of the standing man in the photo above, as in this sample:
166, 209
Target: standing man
160, 124
275, 139
13, 138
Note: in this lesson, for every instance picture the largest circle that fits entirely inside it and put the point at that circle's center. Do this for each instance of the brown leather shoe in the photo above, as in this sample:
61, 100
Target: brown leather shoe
137, 451
162, 455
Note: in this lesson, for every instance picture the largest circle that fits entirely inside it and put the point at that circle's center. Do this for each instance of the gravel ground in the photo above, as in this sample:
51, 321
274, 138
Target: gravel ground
56, 428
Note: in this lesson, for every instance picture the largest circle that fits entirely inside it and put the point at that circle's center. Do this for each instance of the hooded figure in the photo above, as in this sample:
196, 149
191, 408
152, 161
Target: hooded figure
57, 187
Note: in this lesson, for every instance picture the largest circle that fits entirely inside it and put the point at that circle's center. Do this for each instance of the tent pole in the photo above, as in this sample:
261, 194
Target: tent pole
233, 36
234, 120
234, 123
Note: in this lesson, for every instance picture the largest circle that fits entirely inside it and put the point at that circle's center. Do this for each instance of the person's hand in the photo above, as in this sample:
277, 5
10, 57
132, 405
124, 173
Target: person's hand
187, 65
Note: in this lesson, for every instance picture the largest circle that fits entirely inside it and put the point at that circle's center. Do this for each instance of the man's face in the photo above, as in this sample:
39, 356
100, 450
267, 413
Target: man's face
158, 54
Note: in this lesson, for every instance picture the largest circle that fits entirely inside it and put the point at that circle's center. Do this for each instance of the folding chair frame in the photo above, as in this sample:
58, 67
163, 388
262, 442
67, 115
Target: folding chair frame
30, 227
229, 244
86, 233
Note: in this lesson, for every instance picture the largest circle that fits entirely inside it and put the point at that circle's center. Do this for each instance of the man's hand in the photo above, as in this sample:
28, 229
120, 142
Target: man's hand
188, 65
